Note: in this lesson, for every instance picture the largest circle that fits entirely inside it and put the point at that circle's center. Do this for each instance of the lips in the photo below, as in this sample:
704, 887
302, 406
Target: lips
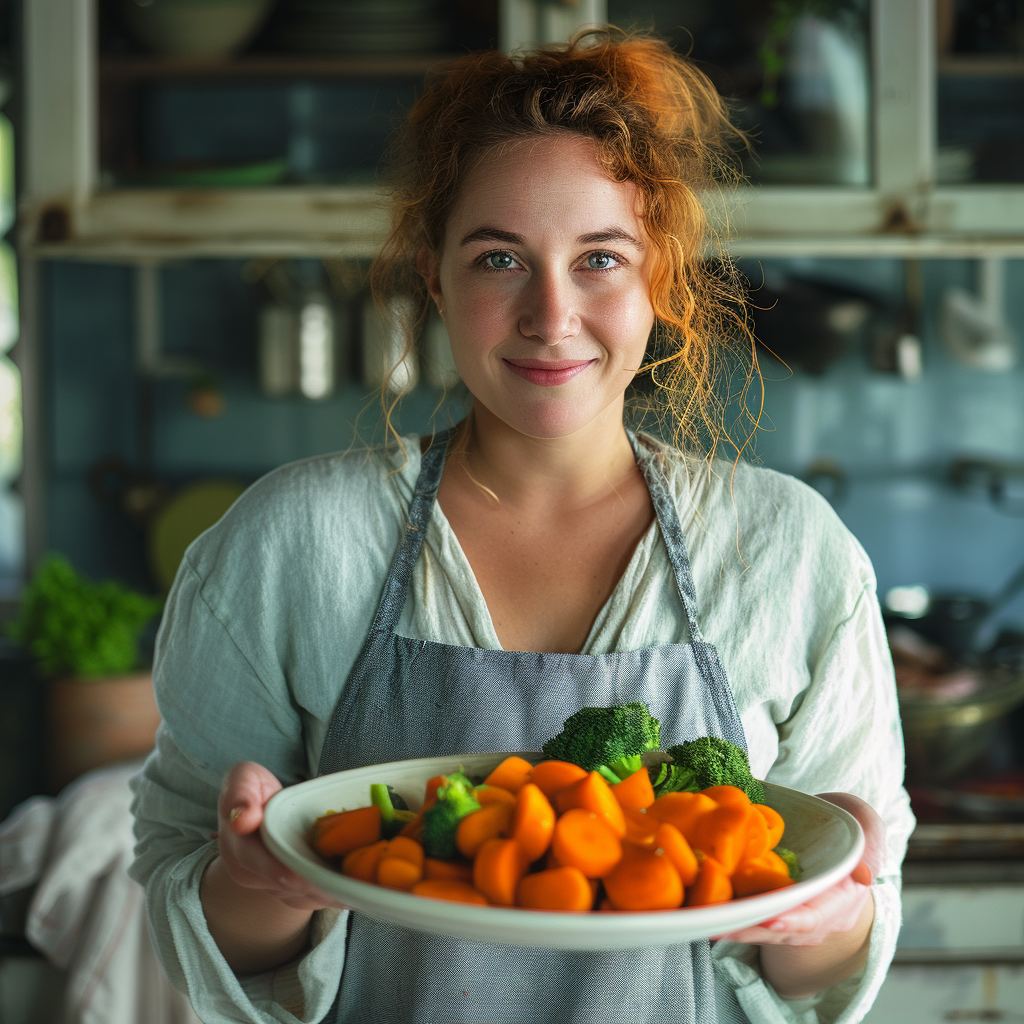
548, 372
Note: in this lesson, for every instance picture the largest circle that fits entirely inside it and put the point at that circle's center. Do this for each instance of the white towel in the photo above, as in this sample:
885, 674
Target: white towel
87, 916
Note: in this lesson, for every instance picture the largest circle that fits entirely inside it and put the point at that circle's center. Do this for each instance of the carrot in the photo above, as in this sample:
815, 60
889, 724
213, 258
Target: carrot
678, 850
644, 879
592, 793
362, 862
635, 792
757, 837
776, 826
447, 870
551, 776
449, 889
755, 876
722, 834
512, 774
533, 822
398, 873
640, 826
555, 889
406, 849
434, 783
723, 795
493, 795
343, 832
412, 828
490, 822
497, 869
712, 885
681, 809
584, 840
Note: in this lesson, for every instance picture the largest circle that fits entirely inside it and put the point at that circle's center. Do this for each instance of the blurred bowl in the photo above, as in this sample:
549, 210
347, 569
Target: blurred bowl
195, 28
944, 738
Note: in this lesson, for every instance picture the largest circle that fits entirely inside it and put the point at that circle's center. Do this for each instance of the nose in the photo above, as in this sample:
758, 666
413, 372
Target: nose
549, 309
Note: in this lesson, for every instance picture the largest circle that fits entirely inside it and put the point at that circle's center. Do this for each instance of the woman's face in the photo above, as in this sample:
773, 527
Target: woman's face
543, 285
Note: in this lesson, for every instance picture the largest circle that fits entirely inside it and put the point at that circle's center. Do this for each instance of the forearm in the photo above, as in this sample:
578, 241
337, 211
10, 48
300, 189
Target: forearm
253, 929
798, 971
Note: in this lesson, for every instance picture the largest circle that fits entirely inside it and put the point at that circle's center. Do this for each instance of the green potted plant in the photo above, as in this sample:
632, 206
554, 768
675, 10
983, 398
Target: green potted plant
84, 640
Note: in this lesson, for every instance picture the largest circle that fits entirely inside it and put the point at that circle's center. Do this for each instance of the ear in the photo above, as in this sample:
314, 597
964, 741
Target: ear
427, 265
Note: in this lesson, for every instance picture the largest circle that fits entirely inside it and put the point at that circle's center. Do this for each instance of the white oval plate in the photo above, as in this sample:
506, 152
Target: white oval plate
826, 838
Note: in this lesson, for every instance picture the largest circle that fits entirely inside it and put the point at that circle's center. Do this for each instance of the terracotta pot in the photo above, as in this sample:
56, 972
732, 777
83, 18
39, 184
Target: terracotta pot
96, 722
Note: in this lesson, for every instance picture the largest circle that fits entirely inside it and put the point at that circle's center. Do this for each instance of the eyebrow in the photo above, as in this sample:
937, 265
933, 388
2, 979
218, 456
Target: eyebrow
489, 234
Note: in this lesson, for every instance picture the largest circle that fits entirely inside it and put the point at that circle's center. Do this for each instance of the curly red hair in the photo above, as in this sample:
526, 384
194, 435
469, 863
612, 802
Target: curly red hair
658, 122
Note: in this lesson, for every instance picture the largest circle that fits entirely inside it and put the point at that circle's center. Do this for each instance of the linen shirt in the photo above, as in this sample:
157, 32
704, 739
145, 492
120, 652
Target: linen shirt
270, 609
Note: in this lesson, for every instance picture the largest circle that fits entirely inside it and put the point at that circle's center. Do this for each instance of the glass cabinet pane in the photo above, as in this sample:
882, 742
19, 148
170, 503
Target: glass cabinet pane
980, 91
797, 75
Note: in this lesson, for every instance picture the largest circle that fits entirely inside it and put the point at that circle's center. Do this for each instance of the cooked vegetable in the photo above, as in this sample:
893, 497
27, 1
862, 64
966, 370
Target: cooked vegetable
338, 834
566, 889
592, 793
441, 819
394, 811
703, 763
607, 740
644, 879
792, 864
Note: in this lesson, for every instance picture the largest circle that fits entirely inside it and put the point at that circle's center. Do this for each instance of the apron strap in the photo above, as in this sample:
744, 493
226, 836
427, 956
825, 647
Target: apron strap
671, 531
397, 584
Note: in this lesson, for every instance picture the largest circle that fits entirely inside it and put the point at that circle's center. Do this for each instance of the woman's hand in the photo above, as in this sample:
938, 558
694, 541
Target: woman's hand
248, 863
825, 940
257, 909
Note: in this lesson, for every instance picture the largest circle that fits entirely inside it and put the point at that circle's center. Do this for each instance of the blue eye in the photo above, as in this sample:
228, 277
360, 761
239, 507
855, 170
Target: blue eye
600, 260
499, 260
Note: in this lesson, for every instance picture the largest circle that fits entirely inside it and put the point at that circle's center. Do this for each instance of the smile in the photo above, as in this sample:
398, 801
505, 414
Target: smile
547, 373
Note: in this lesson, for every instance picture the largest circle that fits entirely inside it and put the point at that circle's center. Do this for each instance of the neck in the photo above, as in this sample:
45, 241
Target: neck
570, 471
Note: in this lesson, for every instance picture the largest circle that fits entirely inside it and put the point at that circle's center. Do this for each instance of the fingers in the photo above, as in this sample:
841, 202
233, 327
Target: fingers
246, 788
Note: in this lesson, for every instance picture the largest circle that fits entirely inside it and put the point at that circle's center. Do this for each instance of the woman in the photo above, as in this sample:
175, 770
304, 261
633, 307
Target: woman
470, 591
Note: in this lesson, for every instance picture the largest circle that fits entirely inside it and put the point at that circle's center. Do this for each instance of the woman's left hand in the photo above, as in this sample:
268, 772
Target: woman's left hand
837, 909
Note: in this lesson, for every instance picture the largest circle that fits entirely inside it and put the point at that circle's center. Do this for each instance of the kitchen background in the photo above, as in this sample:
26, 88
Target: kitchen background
171, 357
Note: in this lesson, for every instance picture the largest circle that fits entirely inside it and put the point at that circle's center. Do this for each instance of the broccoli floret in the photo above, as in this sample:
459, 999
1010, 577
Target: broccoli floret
792, 863
441, 819
394, 811
707, 762
607, 740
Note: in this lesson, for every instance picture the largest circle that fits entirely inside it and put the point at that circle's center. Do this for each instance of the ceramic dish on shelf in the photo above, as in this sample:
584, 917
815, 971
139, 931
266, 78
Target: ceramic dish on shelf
826, 838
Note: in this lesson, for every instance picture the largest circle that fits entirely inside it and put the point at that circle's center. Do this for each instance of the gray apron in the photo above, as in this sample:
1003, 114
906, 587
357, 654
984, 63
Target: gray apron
410, 698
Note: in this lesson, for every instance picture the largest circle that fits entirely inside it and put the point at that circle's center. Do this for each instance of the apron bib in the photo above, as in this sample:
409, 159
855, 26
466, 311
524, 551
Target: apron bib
409, 698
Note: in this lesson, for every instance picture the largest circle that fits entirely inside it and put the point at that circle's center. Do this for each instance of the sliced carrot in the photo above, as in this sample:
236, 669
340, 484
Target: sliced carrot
645, 879
398, 873
723, 795
592, 793
406, 849
758, 841
490, 822
362, 862
449, 889
447, 870
721, 834
634, 792
755, 876
493, 795
534, 821
497, 869
584, 840
434, 783
512, 774
678, 850
712, 885
555, 889
347, 830
776, 826
682, 809
551, 776
640, 826
413, 828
